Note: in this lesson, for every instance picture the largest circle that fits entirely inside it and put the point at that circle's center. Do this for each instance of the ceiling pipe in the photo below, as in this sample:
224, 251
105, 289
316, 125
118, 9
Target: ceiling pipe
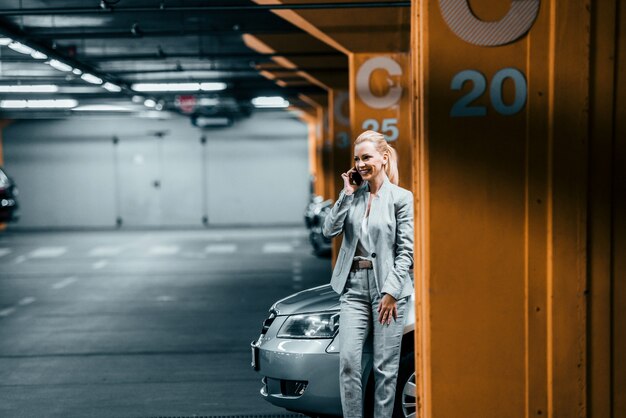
233, 8
120, 34
213, 56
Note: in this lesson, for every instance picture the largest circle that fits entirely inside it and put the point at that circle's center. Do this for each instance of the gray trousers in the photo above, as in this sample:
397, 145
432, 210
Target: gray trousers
359, 318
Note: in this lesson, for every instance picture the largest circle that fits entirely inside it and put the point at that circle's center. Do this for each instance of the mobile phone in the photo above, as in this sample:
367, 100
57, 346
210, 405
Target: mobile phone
355, 177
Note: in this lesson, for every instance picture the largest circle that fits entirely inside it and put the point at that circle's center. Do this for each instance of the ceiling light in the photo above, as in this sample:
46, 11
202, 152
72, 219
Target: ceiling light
90, 78
208, 101
270, 102
166, 87
101, 108
149, 103
213, 86
137, 99
42, 88
38, 55
5, 41
61, 66
21, 48
38, 104
112, 87
77, 71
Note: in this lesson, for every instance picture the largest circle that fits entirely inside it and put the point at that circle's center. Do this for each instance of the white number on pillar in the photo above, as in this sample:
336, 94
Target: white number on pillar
364, 75
389, 128
517, 22
462, 106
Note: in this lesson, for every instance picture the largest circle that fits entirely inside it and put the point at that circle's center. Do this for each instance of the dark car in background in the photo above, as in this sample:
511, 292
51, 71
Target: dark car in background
297, 355
8, 198
314, 216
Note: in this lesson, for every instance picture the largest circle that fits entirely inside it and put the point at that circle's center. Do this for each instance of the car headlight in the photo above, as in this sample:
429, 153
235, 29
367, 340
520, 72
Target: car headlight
314, 325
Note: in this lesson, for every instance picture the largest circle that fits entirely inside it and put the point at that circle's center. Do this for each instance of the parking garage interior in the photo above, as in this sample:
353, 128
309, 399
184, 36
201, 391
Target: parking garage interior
166, 166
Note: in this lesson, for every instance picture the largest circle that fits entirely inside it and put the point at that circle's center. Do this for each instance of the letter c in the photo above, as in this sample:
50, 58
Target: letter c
363, 82
460, 19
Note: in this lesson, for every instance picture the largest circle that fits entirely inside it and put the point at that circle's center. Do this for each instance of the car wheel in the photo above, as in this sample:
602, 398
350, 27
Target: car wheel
405, 405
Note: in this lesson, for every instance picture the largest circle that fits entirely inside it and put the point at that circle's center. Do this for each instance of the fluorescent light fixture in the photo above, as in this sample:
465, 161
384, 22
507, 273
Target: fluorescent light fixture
5, 41
42, 88
38, 55
149, 103
270, 102
76, 71
21, 48
90, 78
38, 104
61, 66
213, 86
112, 87
101, 108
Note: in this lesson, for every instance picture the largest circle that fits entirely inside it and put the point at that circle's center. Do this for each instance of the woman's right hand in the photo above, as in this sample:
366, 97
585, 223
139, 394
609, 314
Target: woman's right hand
348, 187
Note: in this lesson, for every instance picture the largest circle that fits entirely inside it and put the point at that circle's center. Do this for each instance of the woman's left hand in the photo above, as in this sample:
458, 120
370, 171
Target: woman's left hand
387, 309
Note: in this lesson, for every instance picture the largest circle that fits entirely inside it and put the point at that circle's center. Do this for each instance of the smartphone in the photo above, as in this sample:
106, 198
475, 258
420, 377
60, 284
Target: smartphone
355, 177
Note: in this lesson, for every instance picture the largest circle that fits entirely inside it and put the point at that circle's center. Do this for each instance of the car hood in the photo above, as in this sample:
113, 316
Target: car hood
317, 299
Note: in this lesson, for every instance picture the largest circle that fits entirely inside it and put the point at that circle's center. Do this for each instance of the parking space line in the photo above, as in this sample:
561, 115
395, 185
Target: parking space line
5, 251
26, 301
7, 311
48, 252
99, 264
105, 251
164, 250
64, 283
20, 259
297, 278
277, 248
220, 248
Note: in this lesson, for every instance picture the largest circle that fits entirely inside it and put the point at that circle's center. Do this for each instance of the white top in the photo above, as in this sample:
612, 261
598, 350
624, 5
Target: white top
363, 245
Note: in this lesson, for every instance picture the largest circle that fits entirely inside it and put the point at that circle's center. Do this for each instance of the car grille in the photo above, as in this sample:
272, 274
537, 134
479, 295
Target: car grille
293, 387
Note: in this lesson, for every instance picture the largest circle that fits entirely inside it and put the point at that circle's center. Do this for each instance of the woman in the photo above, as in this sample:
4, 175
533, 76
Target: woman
372, 270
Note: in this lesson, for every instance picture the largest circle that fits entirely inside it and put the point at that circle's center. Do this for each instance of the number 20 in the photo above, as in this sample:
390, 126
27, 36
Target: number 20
462, 106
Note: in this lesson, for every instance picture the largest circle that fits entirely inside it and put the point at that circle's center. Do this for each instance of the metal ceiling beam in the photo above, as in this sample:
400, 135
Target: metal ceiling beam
153, 33
211, 56
223, 70
231, 8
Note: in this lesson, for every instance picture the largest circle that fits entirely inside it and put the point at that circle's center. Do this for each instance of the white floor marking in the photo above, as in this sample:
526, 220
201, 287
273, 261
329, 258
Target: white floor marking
5, 251
296, 286
297, 278
277, 247
105, 251
48, 252
26, 301
166, 298
20, 259
164, 250
297, 263
7, 311
297, 270
220, 248
64, 283
99, 264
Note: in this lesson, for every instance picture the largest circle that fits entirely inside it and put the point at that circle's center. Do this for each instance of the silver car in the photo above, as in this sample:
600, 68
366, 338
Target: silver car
297, 355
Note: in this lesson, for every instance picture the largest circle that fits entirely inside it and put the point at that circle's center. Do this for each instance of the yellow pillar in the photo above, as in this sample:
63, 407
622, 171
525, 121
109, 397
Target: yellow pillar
518, 300
380, 101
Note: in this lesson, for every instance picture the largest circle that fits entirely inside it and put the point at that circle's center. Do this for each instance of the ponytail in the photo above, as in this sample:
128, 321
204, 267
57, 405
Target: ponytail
382, 146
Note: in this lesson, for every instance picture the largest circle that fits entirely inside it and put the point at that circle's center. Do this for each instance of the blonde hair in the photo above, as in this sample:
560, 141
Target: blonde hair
382, 146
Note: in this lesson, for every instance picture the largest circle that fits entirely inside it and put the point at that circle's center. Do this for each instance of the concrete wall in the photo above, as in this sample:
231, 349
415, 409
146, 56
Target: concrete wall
74, 173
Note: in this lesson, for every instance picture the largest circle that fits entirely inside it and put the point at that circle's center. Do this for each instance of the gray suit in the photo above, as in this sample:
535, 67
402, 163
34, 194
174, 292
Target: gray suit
391, 236
390, 230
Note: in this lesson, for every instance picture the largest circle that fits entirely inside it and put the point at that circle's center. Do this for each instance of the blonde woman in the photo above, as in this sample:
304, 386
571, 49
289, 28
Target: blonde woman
372, 270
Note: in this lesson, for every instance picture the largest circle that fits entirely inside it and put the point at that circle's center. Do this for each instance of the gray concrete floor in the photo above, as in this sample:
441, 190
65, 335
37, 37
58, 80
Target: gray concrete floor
139, 324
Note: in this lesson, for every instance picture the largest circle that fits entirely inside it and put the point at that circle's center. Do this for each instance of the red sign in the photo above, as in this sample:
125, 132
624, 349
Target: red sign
186, 103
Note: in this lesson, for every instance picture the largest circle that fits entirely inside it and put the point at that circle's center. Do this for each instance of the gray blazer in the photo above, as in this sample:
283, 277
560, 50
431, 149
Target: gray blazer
391, 236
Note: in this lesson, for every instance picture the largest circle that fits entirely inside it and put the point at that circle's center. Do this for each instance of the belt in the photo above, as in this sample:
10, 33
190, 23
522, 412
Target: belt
361, 264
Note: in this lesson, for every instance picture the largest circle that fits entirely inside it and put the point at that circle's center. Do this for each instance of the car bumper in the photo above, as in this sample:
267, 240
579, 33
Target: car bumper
299, 374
